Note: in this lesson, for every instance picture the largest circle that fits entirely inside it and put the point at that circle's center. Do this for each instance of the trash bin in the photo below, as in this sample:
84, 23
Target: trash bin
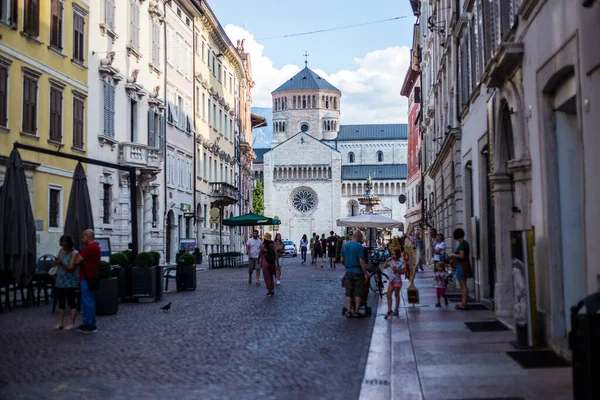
186, 276
584, 342
198, 255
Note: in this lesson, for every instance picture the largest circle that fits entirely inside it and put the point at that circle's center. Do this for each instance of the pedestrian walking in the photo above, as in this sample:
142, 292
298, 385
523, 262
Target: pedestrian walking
268, 262
318, 250
303, 247
67, 282
312, 248
253, 251
396, 269
331, 246
461, 259
441, 281
356, 276
279, 252
89, 260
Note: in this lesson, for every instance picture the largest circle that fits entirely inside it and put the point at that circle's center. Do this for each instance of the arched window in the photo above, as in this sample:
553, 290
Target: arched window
380, 156
327, 102
314, 102
351, 157
294, 101
303, 101
324, 125
335, 103
283, 126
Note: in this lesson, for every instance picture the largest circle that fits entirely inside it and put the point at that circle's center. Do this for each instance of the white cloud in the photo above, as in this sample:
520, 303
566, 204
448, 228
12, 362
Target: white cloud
370, 90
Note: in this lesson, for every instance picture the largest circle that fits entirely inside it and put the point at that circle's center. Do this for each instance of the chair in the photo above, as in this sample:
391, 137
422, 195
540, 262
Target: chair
42, 279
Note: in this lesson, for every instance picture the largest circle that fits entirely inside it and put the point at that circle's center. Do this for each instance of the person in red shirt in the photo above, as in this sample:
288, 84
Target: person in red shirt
89, 260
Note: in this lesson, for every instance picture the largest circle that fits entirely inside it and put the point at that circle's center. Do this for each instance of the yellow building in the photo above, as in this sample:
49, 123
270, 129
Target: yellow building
43, 91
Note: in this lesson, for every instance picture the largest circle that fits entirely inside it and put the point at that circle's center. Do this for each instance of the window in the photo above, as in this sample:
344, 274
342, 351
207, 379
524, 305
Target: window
210, 163
109, 14
169, 46
197, 100
203, 46
221, 121
55, 114
78, 122
106, 203
351, 157
188, 62
29, 105
9, 11
78, 37
3, 96
219, 71
464, 71
204, 106
196, 43
180, 55
205, 213
209, 113
231, 127
54, 207
214, 117
214, 70
134, 24
473, 53
225, 78
180, 113
133, 120
380, 156
155, 43
204, 171
31, 24
56, 24
154, 210
230, 83
155, 129
109, 109
335, 103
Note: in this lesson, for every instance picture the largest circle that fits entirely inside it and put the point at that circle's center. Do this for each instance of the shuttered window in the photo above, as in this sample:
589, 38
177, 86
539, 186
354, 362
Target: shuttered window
3, 96
464, 71
106, 197
134, 24
56, 114
489, 30
78, 37
54, 208
155, 43
9, 12
109, 14
109, 109
78, 123
31, 25
56, 24
29, 105
473, 53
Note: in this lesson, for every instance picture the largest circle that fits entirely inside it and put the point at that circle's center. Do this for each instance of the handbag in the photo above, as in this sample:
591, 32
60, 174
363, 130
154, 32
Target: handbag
53, 271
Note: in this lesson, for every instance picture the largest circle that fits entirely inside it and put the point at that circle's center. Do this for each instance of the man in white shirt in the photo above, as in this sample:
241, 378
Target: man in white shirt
253, 251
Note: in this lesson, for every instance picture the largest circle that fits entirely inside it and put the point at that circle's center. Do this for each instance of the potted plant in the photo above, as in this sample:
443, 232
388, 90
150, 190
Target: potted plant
145, 276
123, 261
186, 272
107, 295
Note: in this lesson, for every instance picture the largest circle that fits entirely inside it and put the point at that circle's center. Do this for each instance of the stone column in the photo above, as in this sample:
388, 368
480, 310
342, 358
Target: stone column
122, 220
503, 292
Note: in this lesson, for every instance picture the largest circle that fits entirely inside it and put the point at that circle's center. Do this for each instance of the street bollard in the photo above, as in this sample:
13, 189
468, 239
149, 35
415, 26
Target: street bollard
584, 342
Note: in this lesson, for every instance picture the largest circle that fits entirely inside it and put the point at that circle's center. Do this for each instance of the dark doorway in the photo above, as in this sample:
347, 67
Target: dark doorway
491, 224
168, 237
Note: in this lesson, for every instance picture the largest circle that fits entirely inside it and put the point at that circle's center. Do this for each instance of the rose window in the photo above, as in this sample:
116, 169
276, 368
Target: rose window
304, 200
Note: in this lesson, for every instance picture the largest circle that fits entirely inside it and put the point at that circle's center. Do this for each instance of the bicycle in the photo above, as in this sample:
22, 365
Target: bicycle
377, 279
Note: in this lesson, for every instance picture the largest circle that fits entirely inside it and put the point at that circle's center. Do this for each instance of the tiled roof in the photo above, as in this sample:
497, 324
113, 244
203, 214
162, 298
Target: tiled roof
373, 132
259, 155
377, 171
305, 80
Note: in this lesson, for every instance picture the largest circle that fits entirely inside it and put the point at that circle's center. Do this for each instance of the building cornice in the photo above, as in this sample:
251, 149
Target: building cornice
454, 135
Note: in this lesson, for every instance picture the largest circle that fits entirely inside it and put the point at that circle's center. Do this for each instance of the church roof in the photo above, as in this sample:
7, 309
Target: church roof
373, 132
377, 171
259, 155
306, 79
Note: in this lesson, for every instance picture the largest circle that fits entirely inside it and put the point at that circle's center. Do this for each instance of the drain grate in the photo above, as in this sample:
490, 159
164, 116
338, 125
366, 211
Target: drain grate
486, 326
530, 359
376, 382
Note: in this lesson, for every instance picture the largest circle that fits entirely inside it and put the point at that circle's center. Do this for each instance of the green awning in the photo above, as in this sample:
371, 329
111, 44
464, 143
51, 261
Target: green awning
250, 219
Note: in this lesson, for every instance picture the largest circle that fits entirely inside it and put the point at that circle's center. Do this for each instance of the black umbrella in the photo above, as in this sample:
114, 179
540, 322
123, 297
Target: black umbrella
79, 212
17, 228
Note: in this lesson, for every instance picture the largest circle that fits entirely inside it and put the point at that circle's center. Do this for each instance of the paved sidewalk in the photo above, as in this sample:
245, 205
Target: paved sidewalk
429, 353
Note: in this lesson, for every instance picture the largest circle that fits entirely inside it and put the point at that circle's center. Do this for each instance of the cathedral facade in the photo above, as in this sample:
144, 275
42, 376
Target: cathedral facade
316, 169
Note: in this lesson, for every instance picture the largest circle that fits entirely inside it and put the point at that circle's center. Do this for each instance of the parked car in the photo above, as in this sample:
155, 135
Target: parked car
290, 248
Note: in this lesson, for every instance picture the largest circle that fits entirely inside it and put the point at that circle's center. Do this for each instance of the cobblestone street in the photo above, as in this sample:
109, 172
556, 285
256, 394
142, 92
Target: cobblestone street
226, 340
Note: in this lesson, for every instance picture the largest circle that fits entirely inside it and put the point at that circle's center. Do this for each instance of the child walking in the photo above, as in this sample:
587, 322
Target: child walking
441, 281
398, 269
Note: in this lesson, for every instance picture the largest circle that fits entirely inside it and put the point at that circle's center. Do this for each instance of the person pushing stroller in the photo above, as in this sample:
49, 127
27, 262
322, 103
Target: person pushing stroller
353, 258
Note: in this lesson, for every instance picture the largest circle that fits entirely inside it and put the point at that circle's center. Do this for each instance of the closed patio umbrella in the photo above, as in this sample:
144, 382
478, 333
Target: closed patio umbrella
79, 212
17, 227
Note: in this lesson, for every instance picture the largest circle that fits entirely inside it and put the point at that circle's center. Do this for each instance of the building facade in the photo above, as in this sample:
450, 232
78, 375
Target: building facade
411, 89
44, 100
525, 158
126, 120
316, 169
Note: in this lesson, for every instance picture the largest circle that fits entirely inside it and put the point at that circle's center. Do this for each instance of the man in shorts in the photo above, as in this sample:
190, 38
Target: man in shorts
331, 246
253, 251
353, 258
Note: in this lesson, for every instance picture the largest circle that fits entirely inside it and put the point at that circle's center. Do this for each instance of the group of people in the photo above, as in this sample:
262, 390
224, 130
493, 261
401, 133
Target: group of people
265, 255
77, 269
321, 247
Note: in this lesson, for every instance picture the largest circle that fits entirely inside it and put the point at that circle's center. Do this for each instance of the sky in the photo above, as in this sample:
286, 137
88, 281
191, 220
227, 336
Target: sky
367, 63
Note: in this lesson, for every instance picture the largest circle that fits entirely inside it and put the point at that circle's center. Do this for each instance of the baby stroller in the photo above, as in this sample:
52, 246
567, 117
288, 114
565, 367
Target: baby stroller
363, 305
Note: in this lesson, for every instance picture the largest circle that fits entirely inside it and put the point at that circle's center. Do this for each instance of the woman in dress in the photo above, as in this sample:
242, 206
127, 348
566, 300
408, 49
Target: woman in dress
67, 281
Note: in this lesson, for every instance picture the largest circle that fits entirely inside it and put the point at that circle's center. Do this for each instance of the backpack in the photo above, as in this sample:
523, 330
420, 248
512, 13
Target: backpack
318, 245
270, 256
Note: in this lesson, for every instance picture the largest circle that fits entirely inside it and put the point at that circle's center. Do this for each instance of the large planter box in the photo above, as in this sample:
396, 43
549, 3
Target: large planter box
107, 297
145, 281
186, 277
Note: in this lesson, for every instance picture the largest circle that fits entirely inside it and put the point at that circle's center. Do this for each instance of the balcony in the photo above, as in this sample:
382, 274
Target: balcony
139, 155
223, 194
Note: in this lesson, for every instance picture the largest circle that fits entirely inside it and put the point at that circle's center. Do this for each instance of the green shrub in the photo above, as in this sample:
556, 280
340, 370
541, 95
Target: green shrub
105, 271
119, 259
156, 256
188, 259
144, 259
129, 255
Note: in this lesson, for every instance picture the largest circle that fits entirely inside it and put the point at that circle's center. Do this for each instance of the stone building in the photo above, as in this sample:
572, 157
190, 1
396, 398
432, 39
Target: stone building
315, 170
